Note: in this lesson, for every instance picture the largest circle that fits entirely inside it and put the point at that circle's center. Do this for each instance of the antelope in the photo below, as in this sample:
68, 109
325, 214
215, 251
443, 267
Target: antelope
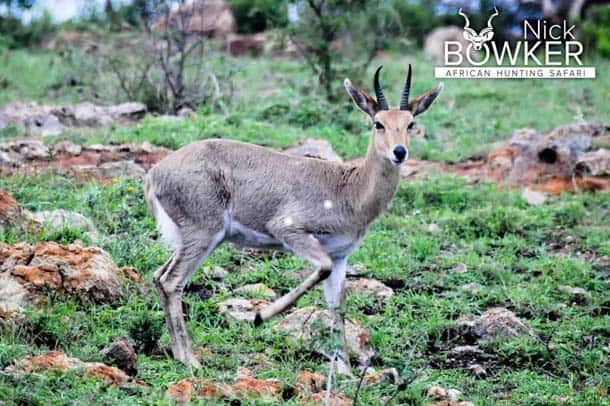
216, 191
478, 39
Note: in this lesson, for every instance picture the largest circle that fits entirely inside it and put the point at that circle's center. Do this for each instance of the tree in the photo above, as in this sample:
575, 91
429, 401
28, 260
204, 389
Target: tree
329, 30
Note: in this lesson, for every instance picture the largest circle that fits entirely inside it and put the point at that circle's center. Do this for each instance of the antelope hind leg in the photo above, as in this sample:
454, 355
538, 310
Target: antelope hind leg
170, 285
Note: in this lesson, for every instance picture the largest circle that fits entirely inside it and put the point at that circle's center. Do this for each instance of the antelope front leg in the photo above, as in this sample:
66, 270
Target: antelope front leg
305, 246
334, 292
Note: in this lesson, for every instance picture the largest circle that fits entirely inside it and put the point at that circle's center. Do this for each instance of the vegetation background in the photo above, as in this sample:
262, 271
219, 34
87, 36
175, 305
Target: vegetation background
515, 254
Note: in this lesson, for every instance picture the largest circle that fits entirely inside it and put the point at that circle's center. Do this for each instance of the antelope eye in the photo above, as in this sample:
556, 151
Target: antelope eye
411, 125
379, 126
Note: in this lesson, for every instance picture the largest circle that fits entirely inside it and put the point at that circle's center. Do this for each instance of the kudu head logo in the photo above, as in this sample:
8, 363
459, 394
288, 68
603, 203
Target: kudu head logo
482, 37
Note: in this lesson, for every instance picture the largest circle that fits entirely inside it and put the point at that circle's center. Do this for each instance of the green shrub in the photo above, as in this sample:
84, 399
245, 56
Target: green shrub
596, 30
15, 34
259, 15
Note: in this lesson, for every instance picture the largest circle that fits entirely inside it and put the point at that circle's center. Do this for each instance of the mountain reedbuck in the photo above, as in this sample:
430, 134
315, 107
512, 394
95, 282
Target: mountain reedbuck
219, 190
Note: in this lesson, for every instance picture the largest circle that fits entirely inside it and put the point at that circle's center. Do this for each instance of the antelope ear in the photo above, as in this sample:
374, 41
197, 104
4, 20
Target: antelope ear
364, 102
423, 101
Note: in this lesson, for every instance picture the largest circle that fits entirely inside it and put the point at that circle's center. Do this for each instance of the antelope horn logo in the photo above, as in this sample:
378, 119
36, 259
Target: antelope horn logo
482, 37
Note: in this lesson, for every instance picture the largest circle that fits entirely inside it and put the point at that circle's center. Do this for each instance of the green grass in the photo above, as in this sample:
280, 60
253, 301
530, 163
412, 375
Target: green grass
508, 247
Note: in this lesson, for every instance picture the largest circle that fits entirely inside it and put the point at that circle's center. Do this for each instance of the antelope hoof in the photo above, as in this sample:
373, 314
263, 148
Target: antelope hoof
325, 273
258, 320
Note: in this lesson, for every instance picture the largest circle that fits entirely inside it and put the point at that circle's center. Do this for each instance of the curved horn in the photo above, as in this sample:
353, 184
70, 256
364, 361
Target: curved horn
491, 17
404, 99
381, 101
467, 26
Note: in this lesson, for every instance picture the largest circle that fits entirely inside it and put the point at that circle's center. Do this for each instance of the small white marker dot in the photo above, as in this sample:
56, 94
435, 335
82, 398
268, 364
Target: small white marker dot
328, 204
288, 221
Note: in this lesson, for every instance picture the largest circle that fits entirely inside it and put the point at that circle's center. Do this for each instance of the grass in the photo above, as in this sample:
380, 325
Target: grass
517, 254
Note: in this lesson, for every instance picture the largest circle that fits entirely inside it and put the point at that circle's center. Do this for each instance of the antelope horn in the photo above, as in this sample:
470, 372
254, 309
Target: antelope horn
381, 101
491, 17
404, 99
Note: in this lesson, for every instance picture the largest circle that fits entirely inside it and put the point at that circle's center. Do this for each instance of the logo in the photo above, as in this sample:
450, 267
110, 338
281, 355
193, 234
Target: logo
486, 34
545, 52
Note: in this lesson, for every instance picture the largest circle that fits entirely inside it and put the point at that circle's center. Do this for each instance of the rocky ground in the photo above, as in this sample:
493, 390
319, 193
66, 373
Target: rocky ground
485, 283
568, 159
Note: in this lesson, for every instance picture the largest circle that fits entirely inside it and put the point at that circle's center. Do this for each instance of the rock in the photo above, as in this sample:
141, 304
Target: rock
37, 119
472, 288
13, 216
25, 150
579, 295
460, 268
477, 370
549, 162
252, 44
73, 269
245, 387
355, 270
300, 324
257, 290
42, 124
110, 170
374, 377
13, 297
453, 395
58, 361
433, 228
595, 163
91, 115
122, 355
334, 399
533, 197
315, 148
499, 322
60, 218
187, 112
67, 148
131, 274
241, 309
371, 287
434, 43
209, 18
437, 392
216, 272
309, 382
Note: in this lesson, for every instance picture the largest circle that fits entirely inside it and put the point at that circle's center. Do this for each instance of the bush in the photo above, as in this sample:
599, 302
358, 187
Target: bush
15, 34
259, 15
339, 38
596, 30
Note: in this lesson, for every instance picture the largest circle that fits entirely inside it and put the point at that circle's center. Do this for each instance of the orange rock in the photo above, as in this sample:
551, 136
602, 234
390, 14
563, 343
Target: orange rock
73, 269
45, 275
130, 273
51, 361
245, 387
107, 374
335, 399
309, 382
58, 361
181, 392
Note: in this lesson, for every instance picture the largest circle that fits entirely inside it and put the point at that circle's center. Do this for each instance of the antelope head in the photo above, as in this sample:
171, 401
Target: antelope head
482, 37
390, 132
